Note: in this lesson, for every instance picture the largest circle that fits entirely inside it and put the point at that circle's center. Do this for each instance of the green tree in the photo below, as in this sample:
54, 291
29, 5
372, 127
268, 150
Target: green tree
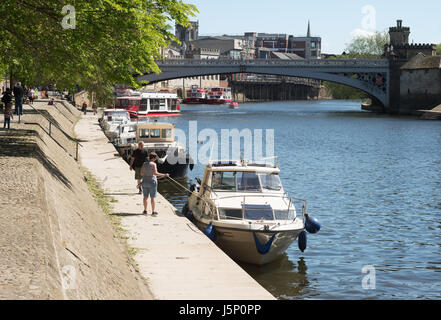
362, 47
367, 47
438, 49
112, 40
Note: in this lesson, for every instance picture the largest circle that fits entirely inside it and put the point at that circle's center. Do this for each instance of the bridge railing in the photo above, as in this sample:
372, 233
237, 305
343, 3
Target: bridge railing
259, 62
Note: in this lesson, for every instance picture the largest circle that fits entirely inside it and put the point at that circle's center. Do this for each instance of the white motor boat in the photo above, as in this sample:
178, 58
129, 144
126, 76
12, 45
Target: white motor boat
112, 119
159, 138
244, 209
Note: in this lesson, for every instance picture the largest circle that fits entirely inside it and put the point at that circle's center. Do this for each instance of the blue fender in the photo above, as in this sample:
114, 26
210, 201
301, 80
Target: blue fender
312, 225
210, 232
302, 241
263, 248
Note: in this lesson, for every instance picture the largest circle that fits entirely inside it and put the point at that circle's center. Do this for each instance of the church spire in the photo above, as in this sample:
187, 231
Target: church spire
309, 30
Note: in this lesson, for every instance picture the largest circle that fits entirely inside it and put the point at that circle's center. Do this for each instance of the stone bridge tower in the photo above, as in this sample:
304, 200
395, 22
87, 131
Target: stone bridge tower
399, 52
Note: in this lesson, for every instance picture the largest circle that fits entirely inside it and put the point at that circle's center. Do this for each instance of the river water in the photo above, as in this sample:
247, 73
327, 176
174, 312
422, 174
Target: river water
374, 183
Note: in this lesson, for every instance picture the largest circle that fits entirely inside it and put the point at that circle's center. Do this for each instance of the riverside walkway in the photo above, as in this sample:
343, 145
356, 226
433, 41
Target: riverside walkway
178, 261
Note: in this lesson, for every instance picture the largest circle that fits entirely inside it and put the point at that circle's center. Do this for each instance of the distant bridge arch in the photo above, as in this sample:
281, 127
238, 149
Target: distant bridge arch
370, 76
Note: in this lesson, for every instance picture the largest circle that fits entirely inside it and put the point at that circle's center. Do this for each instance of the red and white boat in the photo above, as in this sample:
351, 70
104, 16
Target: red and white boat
221, 95
195, 96
233, 105
149, 104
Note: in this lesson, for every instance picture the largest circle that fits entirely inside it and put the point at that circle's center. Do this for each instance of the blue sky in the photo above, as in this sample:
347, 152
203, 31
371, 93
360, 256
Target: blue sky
335, 22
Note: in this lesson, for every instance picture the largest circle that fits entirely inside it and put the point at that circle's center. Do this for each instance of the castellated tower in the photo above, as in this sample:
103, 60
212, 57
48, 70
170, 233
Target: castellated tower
399, 35
399, 47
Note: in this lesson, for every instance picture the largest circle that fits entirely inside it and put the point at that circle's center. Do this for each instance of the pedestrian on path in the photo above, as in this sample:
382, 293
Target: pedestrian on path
94, 107
18, 95
138, 158
7, 98
8, 116
84, 108
31, 96
149, 173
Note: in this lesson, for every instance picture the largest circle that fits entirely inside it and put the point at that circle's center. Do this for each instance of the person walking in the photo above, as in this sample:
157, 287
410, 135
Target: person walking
7, 100
8, 116
149, 174
84, 108
138, 158
94, 107
18, 95
31, 96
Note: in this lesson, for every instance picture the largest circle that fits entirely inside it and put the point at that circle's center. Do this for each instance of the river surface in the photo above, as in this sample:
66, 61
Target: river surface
374, 183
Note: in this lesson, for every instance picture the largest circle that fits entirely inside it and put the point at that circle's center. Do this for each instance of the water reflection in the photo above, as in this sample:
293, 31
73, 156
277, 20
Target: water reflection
283, 278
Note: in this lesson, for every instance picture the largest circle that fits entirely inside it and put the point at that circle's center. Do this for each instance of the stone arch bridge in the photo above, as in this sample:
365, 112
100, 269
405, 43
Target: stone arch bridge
370, 76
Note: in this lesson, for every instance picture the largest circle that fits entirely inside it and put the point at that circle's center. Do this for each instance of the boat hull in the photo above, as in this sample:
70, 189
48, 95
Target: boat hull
135, 115
241, 245
218, 101
176, 170
194, 101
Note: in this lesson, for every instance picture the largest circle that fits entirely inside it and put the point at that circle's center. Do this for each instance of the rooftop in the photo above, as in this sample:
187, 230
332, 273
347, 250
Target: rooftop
421, 61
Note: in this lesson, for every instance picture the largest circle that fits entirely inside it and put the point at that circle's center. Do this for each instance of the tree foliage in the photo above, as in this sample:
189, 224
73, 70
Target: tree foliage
112, 40
362, 47
438, 49
367, 47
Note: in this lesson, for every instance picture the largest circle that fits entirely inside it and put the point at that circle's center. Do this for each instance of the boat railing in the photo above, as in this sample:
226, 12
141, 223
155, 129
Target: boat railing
284, 197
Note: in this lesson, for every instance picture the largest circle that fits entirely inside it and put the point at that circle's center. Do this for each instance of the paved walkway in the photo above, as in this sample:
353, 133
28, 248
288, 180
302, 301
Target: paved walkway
178, 261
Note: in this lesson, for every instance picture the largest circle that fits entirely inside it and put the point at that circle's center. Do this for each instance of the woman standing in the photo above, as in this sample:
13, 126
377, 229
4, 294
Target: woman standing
149, 174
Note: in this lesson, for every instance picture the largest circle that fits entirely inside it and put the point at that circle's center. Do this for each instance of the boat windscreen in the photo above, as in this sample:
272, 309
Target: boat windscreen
258, 212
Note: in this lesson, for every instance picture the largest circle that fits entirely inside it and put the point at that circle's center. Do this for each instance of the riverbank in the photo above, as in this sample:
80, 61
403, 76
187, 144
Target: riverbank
55, 241
177, 260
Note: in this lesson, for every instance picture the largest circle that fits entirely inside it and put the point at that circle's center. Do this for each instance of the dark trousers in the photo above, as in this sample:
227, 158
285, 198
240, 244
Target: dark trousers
19, 105
7, 121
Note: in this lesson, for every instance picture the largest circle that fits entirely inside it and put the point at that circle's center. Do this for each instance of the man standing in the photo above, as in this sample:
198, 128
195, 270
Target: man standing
18, 95
137, 160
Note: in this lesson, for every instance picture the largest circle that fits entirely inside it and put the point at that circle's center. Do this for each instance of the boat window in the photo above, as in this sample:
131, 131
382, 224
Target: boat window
155, 133
143, 106
144, 133
166, 133
154, 104
224, 181
124, 103
173, 103
270, 181
284, 214
248, 181
230, 214
258, 212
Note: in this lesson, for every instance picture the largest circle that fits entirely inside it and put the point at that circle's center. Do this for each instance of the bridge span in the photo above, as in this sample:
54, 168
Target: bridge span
370, 76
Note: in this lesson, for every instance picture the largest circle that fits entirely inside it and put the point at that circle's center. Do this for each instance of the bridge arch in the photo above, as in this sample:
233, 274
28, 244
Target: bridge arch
370, 76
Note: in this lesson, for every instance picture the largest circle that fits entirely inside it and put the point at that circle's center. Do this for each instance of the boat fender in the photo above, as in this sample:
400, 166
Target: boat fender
312, 225
263, 249
185, 210
302, 241
210, 232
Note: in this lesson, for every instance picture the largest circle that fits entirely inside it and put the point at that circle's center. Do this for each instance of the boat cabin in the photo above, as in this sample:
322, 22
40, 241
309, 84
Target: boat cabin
155, 132
159, 103
234, 176
242, 191
116, 115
